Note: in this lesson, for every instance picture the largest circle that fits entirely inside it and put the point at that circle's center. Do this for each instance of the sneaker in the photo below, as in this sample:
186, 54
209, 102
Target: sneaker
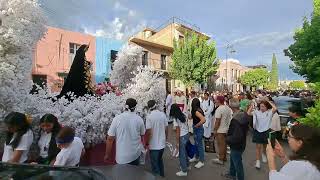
194, 159
258, 164
181, 173
199, 165
217, 161
264, 158
227, 176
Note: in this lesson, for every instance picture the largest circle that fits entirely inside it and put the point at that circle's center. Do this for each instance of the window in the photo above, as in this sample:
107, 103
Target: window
73, 47
113, 57
232, 71
163, 62
236, 74
225, 73
40, 80
168, 85
145, 58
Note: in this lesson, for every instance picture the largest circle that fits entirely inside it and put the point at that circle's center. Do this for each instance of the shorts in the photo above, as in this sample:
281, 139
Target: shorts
260, 137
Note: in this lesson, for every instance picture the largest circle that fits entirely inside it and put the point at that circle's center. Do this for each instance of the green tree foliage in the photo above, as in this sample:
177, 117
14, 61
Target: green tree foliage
255, 77
193, 59
305, 51
274, 75
297, 85
313, 116
316, 6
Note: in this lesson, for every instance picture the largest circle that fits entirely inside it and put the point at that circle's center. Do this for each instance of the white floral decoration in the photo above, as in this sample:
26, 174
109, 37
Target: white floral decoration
23, 25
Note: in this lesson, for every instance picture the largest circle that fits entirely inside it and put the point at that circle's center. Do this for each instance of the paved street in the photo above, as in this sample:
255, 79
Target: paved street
212, 171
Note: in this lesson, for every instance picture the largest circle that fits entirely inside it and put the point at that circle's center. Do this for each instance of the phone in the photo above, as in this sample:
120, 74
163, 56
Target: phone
272, 137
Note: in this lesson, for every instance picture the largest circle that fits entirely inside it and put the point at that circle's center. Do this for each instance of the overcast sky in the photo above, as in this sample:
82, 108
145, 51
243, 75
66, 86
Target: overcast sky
255, 28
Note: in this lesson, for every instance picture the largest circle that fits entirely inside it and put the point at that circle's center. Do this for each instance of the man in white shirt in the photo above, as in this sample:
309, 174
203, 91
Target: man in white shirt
223, 116
181, 101
169, 102
207, 107
127, 130
156, 135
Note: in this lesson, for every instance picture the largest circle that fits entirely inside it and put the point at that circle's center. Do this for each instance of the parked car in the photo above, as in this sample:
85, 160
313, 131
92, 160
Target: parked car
42, 172
284, 102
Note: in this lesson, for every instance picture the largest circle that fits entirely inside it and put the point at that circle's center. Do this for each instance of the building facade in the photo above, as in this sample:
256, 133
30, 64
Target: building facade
54, 54
228, 74
158, 47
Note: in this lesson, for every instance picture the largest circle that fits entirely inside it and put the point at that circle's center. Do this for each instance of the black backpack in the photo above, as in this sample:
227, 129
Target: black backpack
214, 109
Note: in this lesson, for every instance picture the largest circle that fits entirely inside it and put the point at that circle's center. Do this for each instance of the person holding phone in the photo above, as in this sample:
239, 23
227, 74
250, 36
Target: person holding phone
304, 163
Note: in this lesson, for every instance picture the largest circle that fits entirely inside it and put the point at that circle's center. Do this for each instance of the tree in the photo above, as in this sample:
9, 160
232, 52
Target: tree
193, 59
297, 85
274, 76
255, 77
305, 51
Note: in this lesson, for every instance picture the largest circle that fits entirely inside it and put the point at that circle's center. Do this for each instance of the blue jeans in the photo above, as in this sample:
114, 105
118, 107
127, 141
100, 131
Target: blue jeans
183, 156
157, 162
236, 166
198, 139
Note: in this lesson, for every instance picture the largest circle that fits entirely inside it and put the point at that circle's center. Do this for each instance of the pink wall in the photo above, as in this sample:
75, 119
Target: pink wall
52, 54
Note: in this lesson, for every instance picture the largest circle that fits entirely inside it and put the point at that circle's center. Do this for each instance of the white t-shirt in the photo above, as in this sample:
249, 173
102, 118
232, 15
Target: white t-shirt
44, 143
71, 155
169, 102
157, 122
276, 123
224, 113
127, 128
296, 170
184, 129
262, 120
24, 145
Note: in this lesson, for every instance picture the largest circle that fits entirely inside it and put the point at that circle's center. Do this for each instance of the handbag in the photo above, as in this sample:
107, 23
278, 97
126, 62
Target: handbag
191, 149
209, 146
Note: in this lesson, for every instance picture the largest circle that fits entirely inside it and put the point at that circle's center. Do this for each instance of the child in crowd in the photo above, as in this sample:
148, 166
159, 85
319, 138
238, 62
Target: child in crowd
71, 148
19, 138
50, 128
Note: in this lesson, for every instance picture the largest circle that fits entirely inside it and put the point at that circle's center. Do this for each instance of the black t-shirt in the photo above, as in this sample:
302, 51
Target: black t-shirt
196, 120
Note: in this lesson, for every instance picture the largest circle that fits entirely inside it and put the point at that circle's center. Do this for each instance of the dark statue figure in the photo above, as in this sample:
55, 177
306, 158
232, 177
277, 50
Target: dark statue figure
79, 78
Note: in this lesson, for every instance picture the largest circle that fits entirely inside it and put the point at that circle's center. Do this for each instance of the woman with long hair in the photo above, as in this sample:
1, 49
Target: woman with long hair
262, 119
49, 128
198, 121
304, 163
19, 138
182, 137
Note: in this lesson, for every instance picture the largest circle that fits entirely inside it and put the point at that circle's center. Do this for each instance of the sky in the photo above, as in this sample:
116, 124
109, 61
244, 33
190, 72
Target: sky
254, 28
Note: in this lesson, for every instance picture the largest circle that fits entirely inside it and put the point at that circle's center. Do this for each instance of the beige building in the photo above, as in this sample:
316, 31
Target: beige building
228, 74
158, 47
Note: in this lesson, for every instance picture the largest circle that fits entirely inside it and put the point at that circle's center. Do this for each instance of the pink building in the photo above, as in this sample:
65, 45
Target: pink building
54, 55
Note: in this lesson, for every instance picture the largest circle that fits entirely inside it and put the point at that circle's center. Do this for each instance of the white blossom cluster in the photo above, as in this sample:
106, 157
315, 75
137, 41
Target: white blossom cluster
22, 25
146, 85
127, 61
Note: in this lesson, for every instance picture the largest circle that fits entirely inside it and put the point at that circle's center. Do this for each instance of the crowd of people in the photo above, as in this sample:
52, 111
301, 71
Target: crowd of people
226, 118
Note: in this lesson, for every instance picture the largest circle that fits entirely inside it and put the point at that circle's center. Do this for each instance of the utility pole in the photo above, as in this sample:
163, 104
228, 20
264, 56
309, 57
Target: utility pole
229, 49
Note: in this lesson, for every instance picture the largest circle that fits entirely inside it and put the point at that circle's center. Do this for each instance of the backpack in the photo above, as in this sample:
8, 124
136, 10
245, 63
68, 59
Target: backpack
214, 108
